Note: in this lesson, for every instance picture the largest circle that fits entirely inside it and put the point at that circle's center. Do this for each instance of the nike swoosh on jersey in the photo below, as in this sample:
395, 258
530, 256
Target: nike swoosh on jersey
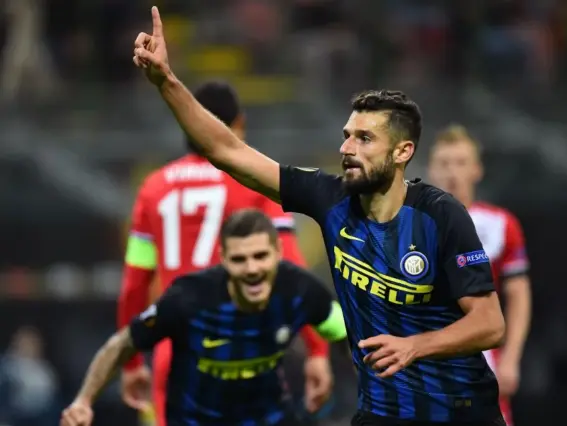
210, 343
344, 234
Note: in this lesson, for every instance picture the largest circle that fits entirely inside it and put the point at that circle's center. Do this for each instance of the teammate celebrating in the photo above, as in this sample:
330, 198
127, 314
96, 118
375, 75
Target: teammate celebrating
230, 326
174, 231
407, 263
455, 166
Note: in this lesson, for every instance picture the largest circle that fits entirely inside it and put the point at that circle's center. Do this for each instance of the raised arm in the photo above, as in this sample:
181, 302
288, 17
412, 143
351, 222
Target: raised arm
213, 139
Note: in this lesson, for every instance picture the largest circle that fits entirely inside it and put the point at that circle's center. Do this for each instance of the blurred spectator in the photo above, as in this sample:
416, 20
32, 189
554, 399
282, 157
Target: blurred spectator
26, 60
327, 49
28, 384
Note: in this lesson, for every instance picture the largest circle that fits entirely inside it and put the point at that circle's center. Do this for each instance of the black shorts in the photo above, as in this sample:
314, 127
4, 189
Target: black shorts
368, 419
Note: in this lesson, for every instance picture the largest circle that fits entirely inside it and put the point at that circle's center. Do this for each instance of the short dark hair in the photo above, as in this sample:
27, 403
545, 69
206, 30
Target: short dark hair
246, 222
221, 100
404, 114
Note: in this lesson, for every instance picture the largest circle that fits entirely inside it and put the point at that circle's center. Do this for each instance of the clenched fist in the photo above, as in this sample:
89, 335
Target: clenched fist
150, 51
79, 413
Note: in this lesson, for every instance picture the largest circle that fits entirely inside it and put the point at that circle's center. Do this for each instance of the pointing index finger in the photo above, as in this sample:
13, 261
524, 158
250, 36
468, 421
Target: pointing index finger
156, 21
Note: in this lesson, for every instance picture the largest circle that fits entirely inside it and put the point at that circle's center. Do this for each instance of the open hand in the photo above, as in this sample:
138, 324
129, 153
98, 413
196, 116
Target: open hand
508, 375
136, 388
150, 51
318, 382
389, 355
77, 414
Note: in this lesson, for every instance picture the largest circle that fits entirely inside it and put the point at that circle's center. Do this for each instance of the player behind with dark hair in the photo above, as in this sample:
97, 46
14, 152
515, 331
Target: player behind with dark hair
175, 226
411, 275
229, 326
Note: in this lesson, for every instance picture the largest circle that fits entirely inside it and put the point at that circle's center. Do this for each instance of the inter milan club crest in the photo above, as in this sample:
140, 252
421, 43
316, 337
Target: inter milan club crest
282, 335
414, 264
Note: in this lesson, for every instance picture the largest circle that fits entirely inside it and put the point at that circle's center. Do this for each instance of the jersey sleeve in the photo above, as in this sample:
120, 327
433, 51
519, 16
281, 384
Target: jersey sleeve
163, 319
323, 312
464, 260
141, 250
309, 191
139, 266
514, 260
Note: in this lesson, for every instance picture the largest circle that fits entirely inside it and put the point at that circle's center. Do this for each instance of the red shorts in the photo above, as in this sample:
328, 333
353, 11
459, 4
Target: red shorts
492, 357
161, 363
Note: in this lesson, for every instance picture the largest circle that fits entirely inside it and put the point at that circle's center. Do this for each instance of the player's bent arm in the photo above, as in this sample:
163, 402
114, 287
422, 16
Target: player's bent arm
482, 327
469, 282
115, 352
322, 311
518, 315
333, 328
218, 143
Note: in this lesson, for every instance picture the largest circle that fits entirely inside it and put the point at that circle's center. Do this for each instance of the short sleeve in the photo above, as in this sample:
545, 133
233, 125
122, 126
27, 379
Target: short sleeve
141, 250
309, 191
464, 260
164, 319
323, 311
514, 260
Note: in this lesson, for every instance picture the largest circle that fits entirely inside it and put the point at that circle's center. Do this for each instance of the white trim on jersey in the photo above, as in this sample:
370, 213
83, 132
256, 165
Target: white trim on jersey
516, 267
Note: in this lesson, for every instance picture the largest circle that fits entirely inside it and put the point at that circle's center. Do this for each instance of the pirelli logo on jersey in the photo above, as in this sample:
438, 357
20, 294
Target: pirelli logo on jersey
239, 369
393, 290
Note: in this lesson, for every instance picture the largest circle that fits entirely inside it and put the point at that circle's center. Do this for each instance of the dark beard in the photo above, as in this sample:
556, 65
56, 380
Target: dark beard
378, 180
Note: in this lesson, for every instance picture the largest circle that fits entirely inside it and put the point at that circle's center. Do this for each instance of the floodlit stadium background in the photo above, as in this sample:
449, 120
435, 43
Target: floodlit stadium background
80, 128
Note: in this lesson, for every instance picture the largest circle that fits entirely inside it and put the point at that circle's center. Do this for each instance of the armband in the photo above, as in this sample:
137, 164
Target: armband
333, 328
141, 253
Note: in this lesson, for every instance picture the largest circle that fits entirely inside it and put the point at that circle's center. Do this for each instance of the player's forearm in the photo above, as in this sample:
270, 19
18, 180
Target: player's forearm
518, 316
475, 332
117, 350
210, 135
133, 299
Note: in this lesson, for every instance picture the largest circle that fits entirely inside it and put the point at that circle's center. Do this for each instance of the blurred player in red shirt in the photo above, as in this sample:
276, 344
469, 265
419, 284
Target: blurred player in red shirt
174, 231
455, 166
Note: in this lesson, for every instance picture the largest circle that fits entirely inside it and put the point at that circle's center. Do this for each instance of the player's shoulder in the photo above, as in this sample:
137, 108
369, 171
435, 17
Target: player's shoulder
200, 289
329, 187
293, 280
431, 200
489, 209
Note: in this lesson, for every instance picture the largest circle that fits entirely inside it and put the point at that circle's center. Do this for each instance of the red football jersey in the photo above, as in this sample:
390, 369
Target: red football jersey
181, 207
502, 237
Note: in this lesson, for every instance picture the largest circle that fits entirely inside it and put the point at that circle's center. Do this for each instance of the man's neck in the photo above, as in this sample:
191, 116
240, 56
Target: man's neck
467, 199
384, 207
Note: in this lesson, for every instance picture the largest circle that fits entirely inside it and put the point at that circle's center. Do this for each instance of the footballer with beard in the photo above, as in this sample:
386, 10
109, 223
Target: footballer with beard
411, 275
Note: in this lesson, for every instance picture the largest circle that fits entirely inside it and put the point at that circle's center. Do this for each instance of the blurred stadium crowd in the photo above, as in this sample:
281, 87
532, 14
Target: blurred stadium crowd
80, 129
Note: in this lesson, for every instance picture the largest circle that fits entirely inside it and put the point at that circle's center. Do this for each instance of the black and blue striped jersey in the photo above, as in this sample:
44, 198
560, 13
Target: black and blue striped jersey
402, 278
225, 367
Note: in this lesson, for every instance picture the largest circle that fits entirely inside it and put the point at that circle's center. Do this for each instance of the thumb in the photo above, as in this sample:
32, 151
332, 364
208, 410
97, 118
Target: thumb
136, 403
146, 55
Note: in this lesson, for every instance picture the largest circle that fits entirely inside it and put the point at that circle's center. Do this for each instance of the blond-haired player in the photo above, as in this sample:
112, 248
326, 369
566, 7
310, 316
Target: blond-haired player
455, 165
